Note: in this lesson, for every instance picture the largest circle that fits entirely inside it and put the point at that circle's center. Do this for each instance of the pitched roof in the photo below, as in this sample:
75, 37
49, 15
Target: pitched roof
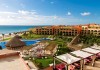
69, 59
94, 51
51, 46
15, 42
81, 54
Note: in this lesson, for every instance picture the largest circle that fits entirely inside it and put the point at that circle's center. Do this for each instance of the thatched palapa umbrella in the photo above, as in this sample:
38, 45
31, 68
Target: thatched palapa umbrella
0, 48
15, 42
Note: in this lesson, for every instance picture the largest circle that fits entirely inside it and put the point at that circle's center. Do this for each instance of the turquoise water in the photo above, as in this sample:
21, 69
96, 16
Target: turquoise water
11, 29
28, 42
5, 29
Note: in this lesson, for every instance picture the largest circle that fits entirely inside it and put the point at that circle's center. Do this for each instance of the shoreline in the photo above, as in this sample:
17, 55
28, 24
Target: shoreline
6, 36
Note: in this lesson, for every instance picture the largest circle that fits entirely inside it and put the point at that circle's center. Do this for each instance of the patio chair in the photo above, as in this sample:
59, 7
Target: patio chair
86, 61
98, 56
90, 58
72, 67
77, 65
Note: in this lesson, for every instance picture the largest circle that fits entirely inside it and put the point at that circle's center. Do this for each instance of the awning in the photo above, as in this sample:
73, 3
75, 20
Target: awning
96, 47
81, 54
69, 59
94, 51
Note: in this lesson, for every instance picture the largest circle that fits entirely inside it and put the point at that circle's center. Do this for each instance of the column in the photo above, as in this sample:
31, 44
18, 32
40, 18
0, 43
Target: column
93, 60
81, 64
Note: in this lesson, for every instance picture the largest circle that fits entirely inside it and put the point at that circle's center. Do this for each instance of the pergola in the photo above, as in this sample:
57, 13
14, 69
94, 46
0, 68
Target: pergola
92, 51
96, 47
67, 59
83, 55
79, 55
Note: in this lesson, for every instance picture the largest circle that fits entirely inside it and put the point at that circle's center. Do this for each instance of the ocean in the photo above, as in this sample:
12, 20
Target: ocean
10, 29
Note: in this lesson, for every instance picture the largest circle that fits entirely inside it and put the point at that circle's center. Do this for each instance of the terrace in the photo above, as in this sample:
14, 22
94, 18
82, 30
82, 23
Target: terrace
11, 60
12, 63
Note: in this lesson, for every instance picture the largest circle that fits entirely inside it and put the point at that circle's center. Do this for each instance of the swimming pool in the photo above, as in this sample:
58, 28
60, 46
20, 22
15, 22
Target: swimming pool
28, 42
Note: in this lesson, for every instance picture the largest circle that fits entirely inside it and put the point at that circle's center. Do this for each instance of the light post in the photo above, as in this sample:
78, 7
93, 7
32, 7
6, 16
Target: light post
54, 68
54, 63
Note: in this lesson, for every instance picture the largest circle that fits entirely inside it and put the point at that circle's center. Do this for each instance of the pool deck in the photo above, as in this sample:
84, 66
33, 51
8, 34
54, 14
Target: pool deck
86, 67
97, 64
11, 60
12, 63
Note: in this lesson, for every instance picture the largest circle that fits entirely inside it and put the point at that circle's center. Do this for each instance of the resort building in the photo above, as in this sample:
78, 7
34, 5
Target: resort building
58, 30
45, 30
84, 30
94, 29
69, 30
11, 60
66, 30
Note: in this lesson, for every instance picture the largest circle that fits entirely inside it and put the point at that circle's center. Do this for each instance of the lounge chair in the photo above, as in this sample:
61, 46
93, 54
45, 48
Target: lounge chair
86, 61
72, 67
98, 56
77, 65
60, 66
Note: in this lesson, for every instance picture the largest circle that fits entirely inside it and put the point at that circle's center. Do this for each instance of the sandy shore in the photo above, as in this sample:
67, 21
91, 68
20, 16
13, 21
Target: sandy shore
6, 36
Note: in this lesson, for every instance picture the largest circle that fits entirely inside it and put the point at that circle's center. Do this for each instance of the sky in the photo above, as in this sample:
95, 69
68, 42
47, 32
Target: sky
49, 12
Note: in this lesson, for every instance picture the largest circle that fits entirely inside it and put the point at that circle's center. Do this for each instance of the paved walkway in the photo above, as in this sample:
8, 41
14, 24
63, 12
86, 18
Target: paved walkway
86, 67
97, 64
12, 63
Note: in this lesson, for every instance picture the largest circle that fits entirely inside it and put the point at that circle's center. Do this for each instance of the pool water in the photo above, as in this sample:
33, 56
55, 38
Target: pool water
28, 42
2, 44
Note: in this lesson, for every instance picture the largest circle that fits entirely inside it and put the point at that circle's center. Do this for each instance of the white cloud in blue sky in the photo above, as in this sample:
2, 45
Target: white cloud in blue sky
68, 13
85, 13
42, 12
52, 2
23, 17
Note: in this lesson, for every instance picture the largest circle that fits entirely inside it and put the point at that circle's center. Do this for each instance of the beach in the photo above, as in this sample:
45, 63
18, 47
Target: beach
9, 31
6, 36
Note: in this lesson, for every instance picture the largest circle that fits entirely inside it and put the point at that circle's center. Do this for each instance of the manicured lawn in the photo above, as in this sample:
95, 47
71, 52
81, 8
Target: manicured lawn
6, 39
43, 63
34, 36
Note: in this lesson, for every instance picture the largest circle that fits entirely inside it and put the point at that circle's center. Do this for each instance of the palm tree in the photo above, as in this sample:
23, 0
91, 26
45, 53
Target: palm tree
10, 34
30, 32
15, 33
3, 36
0, 48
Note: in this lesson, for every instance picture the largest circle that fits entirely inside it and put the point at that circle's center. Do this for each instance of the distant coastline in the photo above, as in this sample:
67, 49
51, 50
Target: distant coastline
5, 29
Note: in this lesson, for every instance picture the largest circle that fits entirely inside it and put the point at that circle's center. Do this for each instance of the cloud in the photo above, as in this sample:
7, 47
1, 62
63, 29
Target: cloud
68, 13
23, 17
23, 12
85, 13
52, 2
